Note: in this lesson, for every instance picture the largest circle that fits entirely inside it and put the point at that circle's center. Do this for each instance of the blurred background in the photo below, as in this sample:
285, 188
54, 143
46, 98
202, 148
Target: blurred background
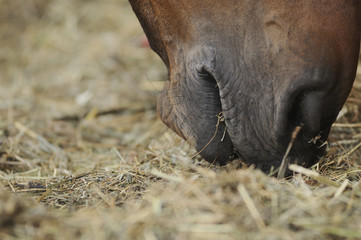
82, 53
77, 73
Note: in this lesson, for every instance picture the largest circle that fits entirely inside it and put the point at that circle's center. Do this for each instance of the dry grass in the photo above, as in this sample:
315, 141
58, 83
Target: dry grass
83, 156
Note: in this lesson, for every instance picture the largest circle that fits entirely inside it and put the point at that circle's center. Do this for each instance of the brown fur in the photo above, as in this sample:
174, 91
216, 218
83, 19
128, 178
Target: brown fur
277, 64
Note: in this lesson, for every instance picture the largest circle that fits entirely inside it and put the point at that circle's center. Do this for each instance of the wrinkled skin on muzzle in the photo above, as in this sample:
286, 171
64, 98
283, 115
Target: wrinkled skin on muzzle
243, 74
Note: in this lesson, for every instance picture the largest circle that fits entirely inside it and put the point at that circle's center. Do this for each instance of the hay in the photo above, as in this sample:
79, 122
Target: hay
242, 204
83, 156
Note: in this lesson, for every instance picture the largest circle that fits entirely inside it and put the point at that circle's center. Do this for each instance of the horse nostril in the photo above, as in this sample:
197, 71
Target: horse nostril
307, 110
203, 73
295, 112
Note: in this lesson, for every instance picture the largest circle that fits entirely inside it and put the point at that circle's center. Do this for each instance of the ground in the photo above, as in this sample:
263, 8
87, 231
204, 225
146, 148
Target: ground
83, 155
